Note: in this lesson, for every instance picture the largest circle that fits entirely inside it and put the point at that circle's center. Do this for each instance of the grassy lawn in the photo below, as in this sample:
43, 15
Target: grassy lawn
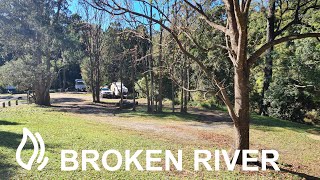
297, 144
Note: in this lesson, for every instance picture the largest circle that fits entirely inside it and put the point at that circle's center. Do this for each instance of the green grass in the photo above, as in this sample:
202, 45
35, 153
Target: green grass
298, 144
62, 130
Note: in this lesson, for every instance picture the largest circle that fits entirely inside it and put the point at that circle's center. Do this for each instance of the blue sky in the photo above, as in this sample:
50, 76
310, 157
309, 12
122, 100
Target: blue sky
74, 8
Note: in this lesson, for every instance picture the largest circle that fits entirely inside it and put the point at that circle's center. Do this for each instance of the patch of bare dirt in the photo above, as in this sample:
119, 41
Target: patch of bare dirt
201, 130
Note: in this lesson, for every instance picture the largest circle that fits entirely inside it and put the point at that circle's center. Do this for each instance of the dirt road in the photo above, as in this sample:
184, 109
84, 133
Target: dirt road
203, 125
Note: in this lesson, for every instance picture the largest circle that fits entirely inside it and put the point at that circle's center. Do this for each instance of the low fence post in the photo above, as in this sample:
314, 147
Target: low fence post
28, 97
17, 102
4, 104
9, 103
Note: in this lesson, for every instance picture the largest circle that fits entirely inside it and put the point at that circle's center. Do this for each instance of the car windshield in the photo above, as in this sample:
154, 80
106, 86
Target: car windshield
105, 89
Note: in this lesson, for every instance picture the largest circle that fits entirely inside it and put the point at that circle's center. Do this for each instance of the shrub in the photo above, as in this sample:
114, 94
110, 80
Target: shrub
287, 101
209, 104
312, 117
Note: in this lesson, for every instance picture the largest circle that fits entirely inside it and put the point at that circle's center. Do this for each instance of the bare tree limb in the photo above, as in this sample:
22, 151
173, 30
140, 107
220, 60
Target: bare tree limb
266, 46
205, 17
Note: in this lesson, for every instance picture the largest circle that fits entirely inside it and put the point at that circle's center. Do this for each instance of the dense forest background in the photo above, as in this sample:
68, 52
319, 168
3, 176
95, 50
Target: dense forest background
45, 45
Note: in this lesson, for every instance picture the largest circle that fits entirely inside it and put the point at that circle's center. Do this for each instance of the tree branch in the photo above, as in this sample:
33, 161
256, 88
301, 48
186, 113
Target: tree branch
206, 18
268, 45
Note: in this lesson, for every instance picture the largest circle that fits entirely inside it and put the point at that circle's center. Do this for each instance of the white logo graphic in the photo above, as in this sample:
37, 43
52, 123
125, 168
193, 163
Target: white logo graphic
35, 140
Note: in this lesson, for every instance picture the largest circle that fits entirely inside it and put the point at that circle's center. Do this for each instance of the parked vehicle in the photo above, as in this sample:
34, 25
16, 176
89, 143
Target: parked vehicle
105, 92
11, 89
116, 89
80, 85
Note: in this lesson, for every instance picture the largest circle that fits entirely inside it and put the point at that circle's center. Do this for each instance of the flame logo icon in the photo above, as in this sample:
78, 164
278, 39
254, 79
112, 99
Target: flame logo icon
35, 139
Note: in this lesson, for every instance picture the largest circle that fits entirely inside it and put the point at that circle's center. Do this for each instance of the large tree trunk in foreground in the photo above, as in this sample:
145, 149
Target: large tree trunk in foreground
42, 95
241, 107
43, 100
43, 81
239, 41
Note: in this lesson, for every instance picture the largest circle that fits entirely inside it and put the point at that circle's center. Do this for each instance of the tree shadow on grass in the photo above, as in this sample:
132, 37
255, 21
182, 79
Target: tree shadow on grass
288, 170
79, 106
213, 117
66, 100
264, 123
207, 117
301, 175
87, 109
8, 140
165, 115
2, 122
11, 140
7, 170
195, 114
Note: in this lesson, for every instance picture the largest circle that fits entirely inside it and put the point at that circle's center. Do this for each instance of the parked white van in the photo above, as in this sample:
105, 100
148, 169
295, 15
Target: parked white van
80, 85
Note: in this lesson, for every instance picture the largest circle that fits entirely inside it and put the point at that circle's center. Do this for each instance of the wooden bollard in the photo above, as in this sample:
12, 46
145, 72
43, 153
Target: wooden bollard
9, 103
17, 102
4, 104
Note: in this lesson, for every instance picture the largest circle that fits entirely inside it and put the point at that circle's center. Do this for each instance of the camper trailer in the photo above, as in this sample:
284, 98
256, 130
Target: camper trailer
116, 89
